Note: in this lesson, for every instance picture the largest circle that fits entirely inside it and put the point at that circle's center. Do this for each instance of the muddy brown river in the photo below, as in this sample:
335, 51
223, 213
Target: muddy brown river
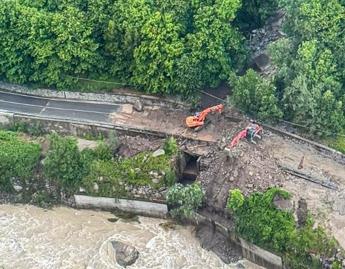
31, 237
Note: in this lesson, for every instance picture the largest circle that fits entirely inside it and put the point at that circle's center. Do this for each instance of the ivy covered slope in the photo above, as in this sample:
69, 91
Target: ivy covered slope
63, 168
102, 173
158, 46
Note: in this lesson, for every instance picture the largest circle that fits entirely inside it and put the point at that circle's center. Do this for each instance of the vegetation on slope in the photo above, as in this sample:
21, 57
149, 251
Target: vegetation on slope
259, 221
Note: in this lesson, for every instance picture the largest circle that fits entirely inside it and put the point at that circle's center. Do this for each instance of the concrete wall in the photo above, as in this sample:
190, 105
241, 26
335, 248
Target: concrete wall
122, 97
250, 251
139, 207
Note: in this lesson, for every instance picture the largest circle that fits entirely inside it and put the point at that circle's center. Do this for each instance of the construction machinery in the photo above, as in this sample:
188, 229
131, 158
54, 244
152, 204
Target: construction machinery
250, 132
198, 120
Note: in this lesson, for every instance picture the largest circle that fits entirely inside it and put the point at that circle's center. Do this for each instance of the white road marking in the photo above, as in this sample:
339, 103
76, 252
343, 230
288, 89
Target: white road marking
56, 108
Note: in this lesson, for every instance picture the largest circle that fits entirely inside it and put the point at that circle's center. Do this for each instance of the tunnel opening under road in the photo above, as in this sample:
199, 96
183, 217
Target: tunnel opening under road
190, 169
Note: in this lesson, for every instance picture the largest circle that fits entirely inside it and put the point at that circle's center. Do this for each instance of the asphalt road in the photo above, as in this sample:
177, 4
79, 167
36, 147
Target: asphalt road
54, 108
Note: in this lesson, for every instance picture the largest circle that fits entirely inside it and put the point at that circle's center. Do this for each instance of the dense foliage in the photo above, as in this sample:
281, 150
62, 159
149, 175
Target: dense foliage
158, 46
18, 159
272, 228
310, 78
259, 221
185, 200
63, 164
111, 177
255, 96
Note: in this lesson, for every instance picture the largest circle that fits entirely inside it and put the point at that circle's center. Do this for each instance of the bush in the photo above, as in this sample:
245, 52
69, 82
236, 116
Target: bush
103, 152
18, 159
255, 95
260, 222
170, 146
63, 164
185, 200
33, 129
137, 171
272, 228
104, 180
337, 143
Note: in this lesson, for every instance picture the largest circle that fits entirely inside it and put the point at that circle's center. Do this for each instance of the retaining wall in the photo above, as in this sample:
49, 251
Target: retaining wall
123, 97
139, 207
249, 251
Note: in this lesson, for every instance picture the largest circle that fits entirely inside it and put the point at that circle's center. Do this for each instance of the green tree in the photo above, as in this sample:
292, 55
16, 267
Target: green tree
255, 95
156, 57
310, 78
185, 200
272, 228
63, 164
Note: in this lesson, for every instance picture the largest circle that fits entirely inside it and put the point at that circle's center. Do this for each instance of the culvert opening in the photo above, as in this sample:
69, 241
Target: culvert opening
191, 170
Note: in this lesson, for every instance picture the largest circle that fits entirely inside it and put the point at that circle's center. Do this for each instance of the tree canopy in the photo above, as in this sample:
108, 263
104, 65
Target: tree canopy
157, 46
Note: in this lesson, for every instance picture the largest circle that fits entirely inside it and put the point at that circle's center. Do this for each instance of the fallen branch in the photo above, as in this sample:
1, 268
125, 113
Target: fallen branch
326, 184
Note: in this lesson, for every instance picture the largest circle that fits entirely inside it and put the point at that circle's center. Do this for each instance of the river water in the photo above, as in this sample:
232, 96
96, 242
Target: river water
32, 237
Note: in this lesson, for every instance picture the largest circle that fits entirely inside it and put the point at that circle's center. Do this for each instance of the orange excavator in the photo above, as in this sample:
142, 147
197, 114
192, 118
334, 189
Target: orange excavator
250, 132
198, 120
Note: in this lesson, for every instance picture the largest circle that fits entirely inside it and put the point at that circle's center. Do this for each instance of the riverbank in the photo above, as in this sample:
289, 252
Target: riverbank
61, 237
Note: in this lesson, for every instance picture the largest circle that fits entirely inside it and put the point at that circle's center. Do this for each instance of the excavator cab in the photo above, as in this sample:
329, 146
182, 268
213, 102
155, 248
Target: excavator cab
198, 120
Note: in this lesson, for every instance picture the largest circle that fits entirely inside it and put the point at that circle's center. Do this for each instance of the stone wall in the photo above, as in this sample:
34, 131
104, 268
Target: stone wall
123, 97
145, 208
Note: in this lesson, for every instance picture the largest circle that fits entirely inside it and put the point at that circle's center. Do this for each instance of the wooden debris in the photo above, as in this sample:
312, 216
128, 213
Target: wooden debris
325, 183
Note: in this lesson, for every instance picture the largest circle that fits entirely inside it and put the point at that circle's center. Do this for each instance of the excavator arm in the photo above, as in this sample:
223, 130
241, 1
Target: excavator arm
251, 131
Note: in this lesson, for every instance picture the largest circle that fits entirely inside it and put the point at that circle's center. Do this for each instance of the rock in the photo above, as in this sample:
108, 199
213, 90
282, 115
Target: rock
17, 188
302, 212
138, 106
82, 190
283, 204
156, 180
158, 152
125, 254
262, 61
95, 187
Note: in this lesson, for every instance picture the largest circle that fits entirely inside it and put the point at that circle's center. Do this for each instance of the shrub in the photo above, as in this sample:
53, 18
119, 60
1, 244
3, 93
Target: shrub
272, 228
103, 152
258, 221
255, 95
170, 146
104, 180
18, 159
136, 171
63, 164
33, 129
235, 200
337, 143
185, 200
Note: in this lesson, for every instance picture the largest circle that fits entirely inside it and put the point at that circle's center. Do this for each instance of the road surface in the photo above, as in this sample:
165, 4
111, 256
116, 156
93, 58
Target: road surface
54, 108
153, 118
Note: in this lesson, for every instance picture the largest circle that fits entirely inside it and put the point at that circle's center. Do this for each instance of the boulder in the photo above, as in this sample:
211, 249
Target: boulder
283, 204
17, 187
158, 152
138, 106
125, 254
